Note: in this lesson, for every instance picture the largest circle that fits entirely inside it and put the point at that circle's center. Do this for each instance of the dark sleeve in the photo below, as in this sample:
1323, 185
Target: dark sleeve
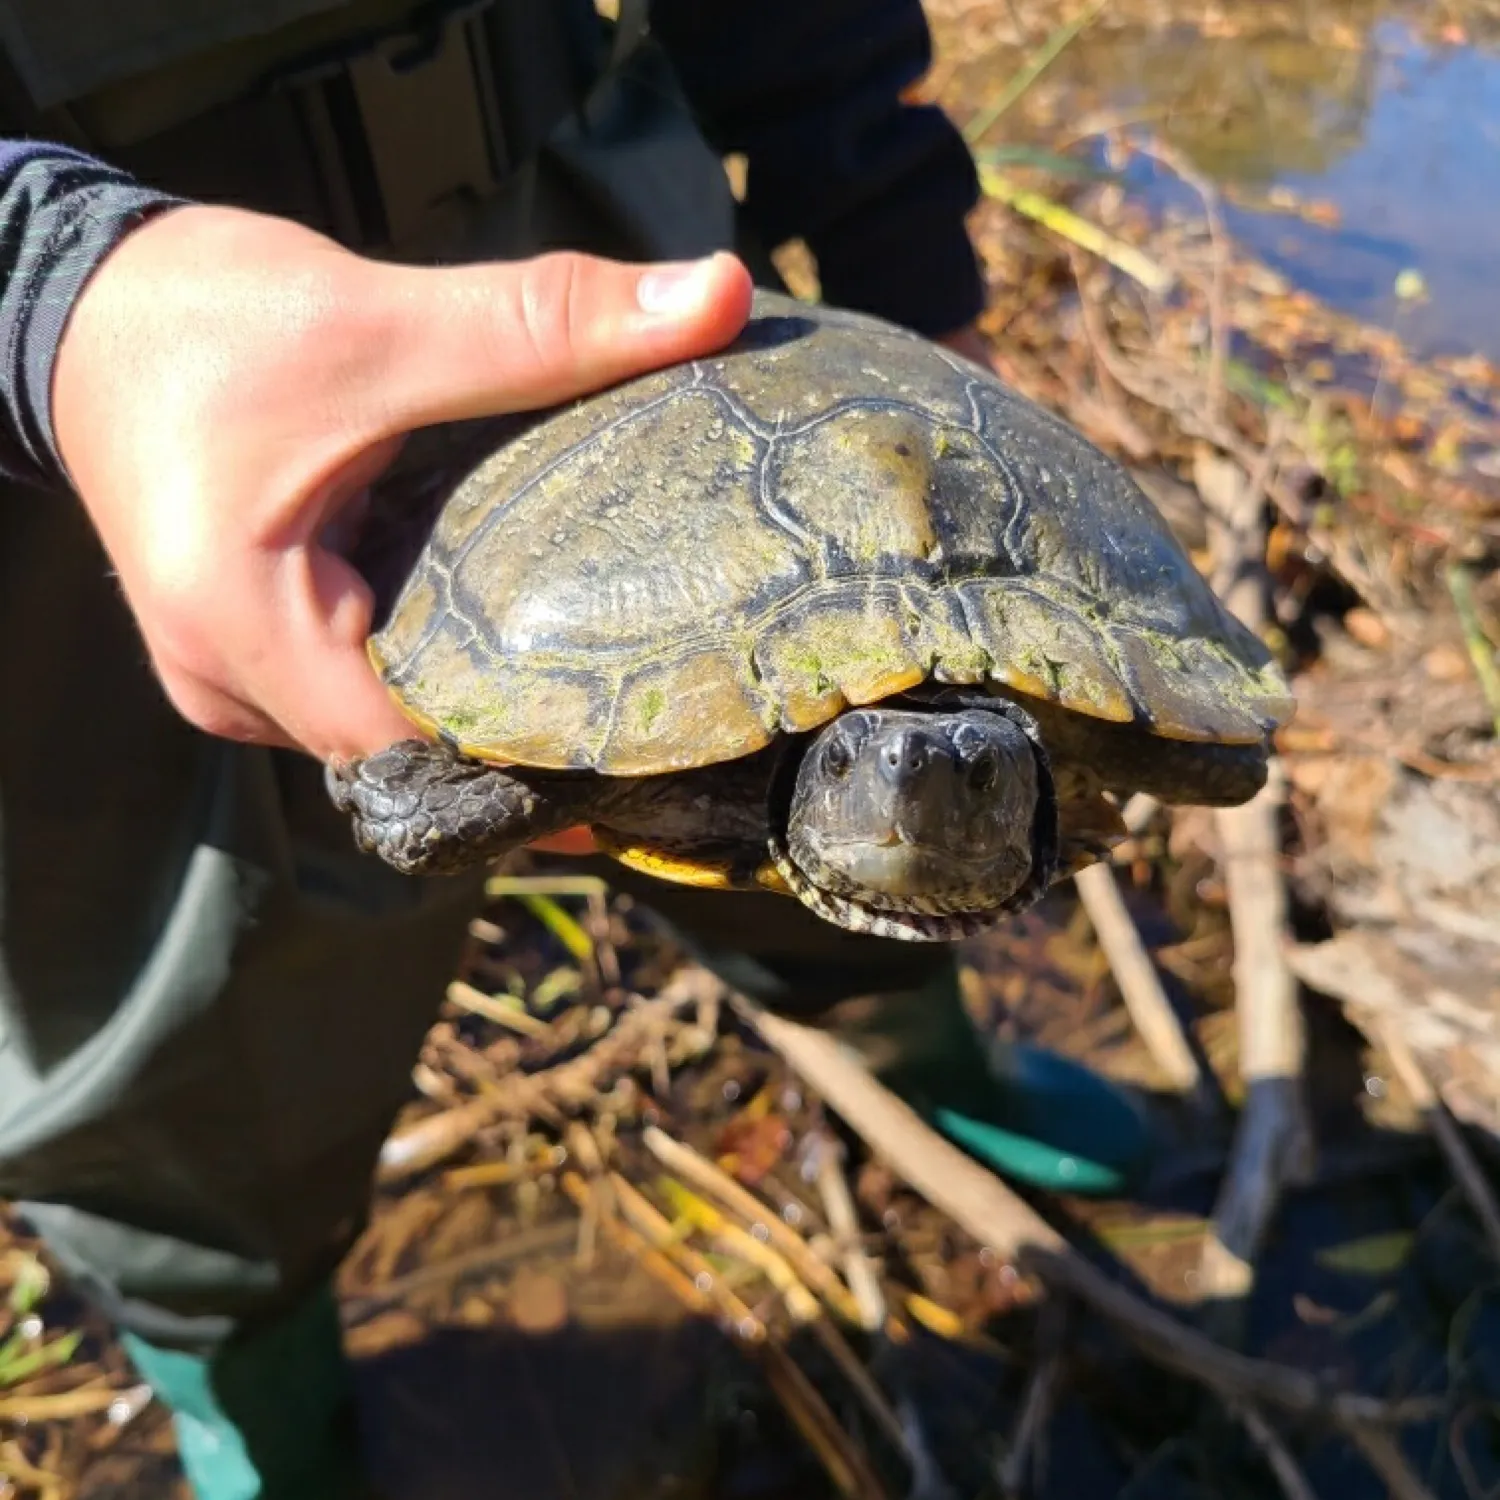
60, 213
810, 91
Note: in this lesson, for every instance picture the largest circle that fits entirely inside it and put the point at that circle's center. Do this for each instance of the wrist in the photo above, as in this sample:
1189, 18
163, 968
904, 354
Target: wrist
68, 213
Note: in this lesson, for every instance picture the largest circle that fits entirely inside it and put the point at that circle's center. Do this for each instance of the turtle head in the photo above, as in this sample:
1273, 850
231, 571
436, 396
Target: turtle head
921, 824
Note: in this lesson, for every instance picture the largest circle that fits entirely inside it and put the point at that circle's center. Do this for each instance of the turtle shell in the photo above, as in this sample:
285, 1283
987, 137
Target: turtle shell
832, 510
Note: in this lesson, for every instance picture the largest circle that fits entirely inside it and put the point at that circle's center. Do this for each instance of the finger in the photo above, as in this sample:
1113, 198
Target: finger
472, 341
308, 666
490, 338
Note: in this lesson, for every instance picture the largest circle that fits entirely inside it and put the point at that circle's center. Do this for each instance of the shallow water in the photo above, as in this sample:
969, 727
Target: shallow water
1410, 157
1343, 104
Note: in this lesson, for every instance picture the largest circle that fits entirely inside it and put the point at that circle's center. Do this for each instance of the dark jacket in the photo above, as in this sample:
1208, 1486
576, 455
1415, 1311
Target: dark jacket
811, 95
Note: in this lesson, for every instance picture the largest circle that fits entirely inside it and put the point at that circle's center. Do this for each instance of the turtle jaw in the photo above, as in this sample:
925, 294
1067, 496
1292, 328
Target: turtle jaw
899, 874
920, 825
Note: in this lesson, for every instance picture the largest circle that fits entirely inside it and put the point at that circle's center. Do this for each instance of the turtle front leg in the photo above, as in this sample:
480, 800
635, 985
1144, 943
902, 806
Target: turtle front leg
427, 810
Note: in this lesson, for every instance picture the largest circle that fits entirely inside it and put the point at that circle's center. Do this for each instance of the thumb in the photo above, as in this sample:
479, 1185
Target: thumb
467, 342
479, 340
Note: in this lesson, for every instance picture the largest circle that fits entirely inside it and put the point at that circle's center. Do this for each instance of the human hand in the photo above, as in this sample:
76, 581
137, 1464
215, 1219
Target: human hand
229, 383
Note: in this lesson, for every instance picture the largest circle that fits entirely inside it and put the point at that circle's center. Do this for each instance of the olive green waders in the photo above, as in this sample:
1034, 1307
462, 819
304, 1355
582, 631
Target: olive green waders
209, 1002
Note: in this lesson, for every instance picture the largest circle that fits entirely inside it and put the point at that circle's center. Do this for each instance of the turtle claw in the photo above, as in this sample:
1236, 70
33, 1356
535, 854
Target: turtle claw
427, 810
338, 778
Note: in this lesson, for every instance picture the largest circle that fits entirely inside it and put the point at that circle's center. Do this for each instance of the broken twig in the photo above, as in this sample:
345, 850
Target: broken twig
986, 1209
1380, 1450
1026, 1454
1082, 232
1481, 652
1278, 1456
949, 1180
695, 1168
1273, 1144
1036, 65
1140, 985
1445, 1131
838, 1204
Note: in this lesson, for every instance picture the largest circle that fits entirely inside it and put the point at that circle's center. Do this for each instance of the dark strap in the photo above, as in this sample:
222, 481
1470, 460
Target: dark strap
386, 122
493, 79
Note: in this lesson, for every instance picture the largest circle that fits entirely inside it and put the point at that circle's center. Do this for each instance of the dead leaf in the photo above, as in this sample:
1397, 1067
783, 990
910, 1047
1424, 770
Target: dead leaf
538, 1301
1446, 662
1366, 627
749, 1147
1373, 1255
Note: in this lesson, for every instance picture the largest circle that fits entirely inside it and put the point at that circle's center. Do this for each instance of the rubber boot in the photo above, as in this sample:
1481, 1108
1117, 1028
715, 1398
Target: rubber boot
1030, 1114
268, 1415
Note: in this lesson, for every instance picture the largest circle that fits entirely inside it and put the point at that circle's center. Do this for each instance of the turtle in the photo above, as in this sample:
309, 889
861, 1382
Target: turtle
833, 612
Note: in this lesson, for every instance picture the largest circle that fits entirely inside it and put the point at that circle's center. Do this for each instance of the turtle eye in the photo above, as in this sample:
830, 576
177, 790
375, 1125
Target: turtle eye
837, 759
984, 771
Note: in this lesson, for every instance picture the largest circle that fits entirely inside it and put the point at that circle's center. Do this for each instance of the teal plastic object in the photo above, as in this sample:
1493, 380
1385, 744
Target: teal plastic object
269, 1415
215, 1458
1056, 1125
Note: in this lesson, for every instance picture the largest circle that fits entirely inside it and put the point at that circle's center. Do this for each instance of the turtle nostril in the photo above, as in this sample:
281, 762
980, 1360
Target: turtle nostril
906, 754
